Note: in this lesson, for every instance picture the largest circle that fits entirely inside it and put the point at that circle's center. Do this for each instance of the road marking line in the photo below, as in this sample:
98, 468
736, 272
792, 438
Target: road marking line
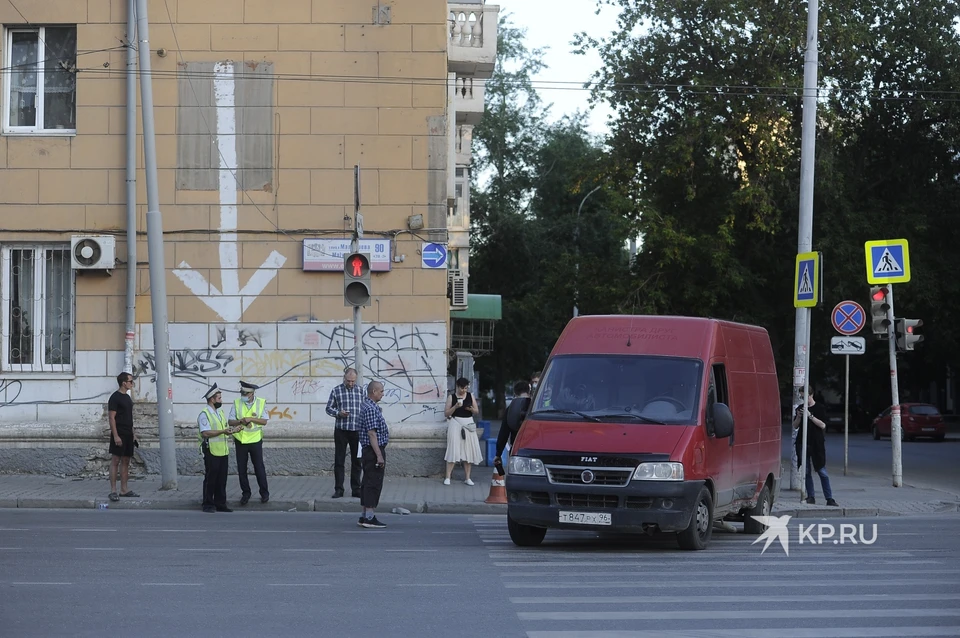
838, 632
427, 585
97, 549
308, 550
14, 529
751, 614
685, 584
203, 549
89, 529
298, 584
409, 550
27, 583
666, 600
172, 584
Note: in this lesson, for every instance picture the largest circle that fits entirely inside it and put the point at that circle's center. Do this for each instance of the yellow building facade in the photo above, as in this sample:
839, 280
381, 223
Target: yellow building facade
262, 111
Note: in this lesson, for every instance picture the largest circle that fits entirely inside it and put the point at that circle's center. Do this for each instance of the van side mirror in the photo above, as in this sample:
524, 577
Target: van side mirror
722, 420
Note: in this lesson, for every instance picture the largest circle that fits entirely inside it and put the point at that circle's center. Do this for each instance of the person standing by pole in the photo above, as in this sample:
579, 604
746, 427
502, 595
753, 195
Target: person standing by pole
214, 446
374, 437
122, 437
344, 405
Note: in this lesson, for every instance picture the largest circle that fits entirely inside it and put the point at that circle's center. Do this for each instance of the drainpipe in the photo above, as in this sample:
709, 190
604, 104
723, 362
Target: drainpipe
131, 185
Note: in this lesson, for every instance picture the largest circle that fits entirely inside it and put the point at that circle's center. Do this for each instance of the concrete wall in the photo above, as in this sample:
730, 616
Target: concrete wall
272, 162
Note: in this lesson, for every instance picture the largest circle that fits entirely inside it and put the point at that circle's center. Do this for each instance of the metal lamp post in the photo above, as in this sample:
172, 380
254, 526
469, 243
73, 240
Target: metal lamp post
576, 241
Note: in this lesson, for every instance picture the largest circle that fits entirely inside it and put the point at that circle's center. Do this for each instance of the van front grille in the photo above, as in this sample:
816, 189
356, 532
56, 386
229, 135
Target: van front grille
638, 502
539, 498
574, 476
587, 500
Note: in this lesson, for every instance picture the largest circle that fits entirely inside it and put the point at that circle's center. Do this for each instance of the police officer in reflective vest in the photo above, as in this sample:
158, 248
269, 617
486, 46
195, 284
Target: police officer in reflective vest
214, 434
249, 413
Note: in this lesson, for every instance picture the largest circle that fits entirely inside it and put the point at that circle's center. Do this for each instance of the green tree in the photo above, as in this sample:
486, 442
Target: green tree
709, 109
527, 240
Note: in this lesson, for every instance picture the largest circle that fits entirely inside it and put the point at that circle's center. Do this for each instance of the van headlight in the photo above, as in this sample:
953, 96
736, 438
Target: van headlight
659, 472
525, 466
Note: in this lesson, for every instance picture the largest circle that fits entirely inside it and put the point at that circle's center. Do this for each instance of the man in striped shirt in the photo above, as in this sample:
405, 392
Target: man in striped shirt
344, 405
374, 437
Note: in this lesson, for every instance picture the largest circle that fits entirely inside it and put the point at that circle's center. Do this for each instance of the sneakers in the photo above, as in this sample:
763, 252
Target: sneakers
811, 500
209, 510
469, 482
446, 481
244, 499
832, 503
361, 522
371, 523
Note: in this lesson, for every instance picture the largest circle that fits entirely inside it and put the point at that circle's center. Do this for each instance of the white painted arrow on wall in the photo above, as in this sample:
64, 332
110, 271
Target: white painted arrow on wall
230, 301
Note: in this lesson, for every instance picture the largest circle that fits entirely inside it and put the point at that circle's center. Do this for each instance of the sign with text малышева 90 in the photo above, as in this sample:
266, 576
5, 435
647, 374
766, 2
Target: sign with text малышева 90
328, 254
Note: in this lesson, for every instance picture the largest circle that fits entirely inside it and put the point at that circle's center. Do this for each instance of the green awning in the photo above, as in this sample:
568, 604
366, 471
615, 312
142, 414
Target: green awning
480, 307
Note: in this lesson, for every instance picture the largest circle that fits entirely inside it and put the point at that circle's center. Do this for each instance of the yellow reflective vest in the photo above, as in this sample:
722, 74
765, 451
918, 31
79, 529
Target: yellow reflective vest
253, 432
218, 421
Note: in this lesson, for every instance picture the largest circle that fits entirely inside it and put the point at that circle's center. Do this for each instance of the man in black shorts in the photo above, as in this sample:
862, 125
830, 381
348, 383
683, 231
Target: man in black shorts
122, 437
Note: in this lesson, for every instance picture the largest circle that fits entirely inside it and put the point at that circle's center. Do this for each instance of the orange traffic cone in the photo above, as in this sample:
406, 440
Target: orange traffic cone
498, 490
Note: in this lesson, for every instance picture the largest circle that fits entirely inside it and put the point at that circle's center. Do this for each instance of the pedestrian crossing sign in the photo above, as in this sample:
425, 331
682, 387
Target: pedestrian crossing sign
888, 261
806, 283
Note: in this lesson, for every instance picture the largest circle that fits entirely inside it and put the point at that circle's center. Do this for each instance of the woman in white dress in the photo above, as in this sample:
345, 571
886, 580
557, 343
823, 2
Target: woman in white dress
462, 441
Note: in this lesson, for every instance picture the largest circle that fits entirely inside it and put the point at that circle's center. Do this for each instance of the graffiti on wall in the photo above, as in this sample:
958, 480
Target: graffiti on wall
193, 364
298, 365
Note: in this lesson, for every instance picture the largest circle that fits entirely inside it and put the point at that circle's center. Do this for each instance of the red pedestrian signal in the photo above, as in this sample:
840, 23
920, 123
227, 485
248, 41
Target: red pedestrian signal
356, 280
879, 321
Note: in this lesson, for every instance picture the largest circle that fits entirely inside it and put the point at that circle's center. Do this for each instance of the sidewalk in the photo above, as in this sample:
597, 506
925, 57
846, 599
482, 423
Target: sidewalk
858, 495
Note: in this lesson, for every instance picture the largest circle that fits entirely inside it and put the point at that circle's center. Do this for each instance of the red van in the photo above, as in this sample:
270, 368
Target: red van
646, 424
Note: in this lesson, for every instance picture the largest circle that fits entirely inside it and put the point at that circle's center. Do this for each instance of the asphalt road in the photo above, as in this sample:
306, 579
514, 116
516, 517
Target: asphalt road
153, 573
925, 463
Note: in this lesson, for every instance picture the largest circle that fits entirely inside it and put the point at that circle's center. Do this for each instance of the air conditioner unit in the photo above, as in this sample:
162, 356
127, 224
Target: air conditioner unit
458, 288
93, 252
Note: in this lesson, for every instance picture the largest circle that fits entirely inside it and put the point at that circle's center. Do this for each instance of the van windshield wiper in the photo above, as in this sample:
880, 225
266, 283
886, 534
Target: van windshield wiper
583, 415
630, 415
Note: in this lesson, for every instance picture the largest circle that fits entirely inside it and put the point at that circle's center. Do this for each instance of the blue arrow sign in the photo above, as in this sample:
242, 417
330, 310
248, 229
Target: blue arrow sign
434, 256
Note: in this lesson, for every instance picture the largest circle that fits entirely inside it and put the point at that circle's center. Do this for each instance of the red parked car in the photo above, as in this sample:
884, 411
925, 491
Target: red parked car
916, 420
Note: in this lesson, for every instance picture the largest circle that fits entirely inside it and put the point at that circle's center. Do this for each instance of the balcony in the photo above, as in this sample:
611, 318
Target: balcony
464, 144
469, 100
472, 44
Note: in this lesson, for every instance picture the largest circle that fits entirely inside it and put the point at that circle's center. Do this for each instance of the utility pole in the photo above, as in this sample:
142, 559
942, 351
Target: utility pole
355, 248
158, 273
895, 431
808, 140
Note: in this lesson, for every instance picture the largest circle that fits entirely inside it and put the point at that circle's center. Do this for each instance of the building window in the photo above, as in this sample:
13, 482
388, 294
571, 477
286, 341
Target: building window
40, 82
37, 296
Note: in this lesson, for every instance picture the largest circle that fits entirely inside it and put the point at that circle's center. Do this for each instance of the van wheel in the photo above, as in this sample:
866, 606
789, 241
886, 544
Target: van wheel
876, 433
525, 535
697, 534
764, 505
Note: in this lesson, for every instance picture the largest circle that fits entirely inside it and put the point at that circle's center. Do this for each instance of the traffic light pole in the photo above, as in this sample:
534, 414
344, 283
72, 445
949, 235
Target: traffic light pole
357, 310
895, 428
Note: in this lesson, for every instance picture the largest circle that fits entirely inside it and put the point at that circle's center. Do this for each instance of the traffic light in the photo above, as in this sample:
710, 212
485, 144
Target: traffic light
907, 337
879, 322
356, 280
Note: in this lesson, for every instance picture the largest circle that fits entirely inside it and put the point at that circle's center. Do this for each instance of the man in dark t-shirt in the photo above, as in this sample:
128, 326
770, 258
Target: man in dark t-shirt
122, 437
816, 448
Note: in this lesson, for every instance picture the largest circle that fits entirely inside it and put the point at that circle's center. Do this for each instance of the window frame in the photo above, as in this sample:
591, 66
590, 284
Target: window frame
37, 366
38, 129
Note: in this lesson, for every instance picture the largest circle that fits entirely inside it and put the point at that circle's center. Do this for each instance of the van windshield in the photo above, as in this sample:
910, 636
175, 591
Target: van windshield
629, 389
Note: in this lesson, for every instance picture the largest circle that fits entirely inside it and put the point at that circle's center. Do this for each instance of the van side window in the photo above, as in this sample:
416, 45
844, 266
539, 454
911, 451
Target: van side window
718, 384
717, 393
